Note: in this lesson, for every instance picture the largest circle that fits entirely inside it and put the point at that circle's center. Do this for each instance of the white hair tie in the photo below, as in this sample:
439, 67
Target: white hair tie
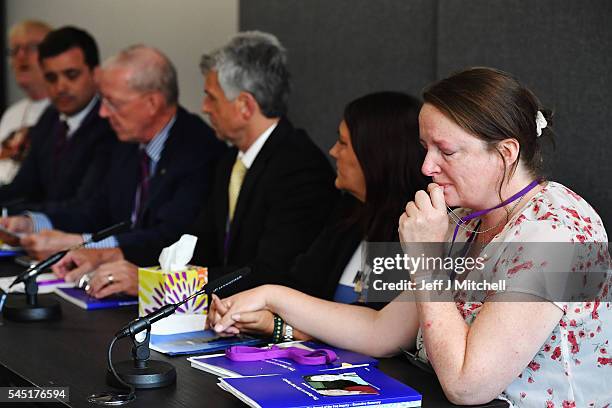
541, 123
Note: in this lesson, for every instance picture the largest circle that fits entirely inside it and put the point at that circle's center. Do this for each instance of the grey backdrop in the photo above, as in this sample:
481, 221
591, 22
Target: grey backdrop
182, 29
562, 50
2, 58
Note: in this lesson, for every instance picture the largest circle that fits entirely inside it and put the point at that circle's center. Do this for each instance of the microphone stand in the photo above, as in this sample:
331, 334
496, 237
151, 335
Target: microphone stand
141, 372
30, 308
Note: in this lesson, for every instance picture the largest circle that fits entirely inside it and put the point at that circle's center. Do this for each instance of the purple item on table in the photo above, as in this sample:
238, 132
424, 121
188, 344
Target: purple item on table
299, 355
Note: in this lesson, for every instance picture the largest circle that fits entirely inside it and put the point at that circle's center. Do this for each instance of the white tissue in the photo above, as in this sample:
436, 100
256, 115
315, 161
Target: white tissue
176, 257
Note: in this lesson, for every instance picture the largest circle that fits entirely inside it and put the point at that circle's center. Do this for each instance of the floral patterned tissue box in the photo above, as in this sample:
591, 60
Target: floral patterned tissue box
157, 288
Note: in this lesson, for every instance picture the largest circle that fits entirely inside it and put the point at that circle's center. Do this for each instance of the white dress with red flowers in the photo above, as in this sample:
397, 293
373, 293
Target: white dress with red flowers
574, 366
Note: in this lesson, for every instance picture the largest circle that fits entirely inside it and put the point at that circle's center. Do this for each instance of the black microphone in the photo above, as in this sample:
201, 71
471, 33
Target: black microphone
53, 259
12, 202
145, 322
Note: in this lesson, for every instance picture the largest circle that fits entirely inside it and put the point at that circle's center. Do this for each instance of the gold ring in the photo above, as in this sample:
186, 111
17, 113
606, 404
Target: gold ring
110, 278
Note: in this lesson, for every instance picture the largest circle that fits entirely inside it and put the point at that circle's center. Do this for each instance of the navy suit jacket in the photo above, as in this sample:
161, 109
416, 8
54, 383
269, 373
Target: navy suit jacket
177, 189
43, 180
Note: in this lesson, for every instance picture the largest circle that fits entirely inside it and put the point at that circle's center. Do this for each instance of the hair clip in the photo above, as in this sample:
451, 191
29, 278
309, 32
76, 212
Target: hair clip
541, 123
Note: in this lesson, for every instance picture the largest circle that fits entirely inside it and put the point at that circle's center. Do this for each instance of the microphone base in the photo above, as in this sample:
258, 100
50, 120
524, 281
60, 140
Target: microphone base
17, 309
156, 374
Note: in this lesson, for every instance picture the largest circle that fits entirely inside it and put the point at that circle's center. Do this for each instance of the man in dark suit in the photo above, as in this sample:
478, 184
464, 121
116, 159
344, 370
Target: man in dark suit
70, 144
272, 191
158, 176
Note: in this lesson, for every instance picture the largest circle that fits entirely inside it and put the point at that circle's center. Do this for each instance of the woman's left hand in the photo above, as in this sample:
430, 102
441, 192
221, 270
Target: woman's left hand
260, 323
425, 219
226, 313
217, 309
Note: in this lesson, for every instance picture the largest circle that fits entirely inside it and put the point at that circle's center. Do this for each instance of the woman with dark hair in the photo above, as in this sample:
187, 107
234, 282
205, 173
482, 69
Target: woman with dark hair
378, 159
383, 129
526, 342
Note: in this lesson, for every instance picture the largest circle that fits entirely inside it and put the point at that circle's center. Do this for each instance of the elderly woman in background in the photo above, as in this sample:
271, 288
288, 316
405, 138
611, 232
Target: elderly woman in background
483, 133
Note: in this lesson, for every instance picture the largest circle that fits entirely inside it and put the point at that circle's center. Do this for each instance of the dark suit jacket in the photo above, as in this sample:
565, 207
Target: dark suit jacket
176, 190
41, 181
283, 204
318, 271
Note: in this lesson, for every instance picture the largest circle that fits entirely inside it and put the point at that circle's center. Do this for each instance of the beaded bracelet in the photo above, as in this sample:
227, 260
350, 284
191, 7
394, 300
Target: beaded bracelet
277, 334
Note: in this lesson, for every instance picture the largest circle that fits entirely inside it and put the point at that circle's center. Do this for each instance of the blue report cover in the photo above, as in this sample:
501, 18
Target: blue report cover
80, 298
222, 366
349, 387
201, 341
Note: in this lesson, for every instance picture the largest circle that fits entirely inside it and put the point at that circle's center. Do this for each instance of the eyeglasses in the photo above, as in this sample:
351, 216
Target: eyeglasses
26, 48
115, 106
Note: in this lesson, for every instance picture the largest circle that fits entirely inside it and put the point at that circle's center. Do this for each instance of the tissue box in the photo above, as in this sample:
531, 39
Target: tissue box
157, 288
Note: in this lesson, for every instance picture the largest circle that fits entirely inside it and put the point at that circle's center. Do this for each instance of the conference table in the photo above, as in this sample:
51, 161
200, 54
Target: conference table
71, 352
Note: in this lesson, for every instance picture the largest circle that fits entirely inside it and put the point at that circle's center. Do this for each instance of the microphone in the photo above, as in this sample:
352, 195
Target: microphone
53, 259
143, 323
142, 372
12, 202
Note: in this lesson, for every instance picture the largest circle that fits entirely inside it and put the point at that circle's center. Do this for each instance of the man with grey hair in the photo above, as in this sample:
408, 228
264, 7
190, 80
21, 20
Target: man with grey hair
24, 38
272, 190
277, 185
158, 177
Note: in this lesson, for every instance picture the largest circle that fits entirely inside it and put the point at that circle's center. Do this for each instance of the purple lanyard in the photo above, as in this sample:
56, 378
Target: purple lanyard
476, 214
299, 355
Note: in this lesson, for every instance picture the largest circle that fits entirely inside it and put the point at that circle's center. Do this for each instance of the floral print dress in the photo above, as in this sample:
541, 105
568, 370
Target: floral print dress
573, 368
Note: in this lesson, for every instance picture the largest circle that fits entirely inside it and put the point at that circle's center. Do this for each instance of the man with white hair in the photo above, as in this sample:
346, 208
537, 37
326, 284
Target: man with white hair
24, 38
159, 175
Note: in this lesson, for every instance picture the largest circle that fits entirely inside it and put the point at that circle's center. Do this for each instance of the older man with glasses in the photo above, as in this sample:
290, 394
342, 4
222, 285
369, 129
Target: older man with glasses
22, 51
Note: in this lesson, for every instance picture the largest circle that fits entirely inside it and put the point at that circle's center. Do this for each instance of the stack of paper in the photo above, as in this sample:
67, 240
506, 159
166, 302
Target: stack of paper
220, 365
348, 387
80, 298
351, 381
47, 282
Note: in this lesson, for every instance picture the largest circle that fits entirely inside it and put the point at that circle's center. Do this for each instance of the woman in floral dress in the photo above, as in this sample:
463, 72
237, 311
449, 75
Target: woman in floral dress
527, 343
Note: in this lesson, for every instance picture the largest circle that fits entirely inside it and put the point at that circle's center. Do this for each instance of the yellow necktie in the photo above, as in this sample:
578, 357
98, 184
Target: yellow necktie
238, 172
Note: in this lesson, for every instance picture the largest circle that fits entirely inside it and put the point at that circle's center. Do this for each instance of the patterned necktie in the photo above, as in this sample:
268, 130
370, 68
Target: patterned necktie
238, 172
142, 191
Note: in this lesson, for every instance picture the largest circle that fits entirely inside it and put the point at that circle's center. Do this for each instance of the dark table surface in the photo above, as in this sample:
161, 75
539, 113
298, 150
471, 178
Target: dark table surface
72, 352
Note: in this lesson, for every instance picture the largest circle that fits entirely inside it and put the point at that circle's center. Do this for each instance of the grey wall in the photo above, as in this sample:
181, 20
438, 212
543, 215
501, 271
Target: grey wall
561, 49
2, 60
183, 29
341, 49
